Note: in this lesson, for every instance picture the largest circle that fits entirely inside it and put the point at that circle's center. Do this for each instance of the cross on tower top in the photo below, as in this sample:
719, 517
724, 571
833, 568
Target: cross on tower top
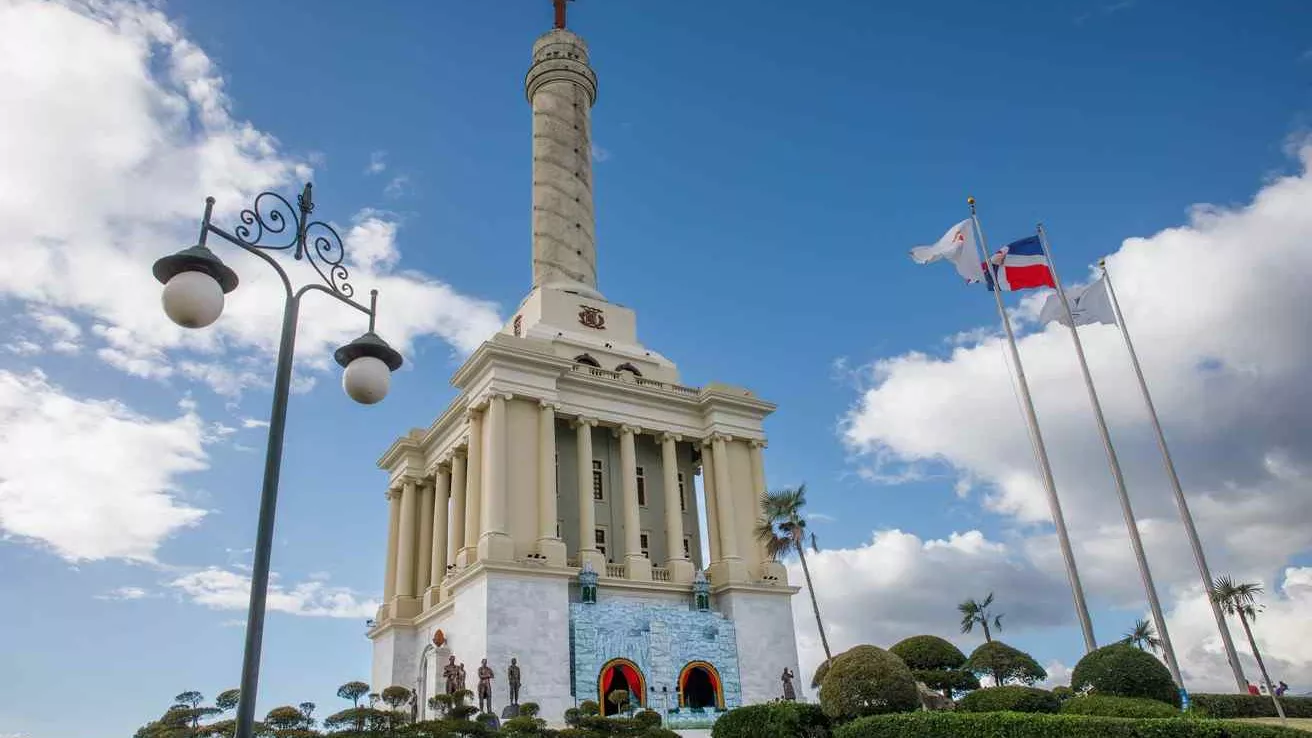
560, 12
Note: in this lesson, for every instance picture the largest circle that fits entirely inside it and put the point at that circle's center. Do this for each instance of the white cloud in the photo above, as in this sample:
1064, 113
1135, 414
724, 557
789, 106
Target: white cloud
124, 593
397, 186
90, 478
377, 163
254, 423
1226, 353
223, 589
117, 127
599, 154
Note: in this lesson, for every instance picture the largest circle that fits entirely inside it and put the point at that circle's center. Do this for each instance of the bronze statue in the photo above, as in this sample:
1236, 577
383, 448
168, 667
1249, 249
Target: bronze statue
485, 677
451, 673
790, 694
512, 678
460, 676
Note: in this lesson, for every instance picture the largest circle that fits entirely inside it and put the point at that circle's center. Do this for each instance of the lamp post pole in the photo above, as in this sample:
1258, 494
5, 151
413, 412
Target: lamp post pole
195, 281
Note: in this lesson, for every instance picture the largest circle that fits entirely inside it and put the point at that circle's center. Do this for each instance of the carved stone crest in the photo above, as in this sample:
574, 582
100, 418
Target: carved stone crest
592, 317
439, 638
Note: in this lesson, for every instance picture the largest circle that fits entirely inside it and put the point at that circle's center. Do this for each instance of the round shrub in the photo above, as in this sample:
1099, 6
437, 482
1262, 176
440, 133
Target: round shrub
1106, 705
648, 719
773, 720
818, 677
1124, 671
589, 707
1063, 693
928, 652
1005, 664
867, 681
947, 680
1009, 699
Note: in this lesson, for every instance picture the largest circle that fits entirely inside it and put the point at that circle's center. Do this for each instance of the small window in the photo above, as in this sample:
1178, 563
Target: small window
644, 543
683, 494
587, 360
627, 367
642, 488
599, 537
597, 493
687, 547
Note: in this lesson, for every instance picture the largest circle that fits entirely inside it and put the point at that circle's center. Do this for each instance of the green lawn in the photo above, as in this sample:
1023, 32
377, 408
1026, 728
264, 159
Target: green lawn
1296, 723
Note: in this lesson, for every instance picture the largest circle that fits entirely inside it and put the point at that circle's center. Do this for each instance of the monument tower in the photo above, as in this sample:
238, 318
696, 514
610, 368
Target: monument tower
549, 514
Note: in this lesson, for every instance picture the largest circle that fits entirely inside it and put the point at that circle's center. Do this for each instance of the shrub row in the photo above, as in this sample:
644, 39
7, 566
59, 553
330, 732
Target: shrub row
1247, 705
1013, 699
1105, 705
1018, 725
773, 720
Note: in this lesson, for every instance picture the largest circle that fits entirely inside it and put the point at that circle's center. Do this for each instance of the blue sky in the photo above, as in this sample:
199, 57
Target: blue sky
761, 170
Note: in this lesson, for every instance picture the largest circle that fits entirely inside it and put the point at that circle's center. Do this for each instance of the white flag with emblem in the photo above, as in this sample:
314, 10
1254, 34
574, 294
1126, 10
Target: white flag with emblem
1089, 304
958, 247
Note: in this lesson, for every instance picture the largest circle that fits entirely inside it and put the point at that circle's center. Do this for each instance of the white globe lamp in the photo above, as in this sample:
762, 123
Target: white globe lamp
195, 281
369, 363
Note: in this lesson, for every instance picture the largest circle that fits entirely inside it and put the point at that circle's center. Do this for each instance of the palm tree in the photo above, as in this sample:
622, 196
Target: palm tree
1241, 599
782, 530
1143, 635
973, 612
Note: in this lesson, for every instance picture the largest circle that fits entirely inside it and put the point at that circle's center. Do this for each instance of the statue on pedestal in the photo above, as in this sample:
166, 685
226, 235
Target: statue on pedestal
485, 677
451, 673
460, 677
790, 693
513, 679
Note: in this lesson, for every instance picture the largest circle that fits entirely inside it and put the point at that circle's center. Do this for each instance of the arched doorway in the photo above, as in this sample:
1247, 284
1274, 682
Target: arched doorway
700, 687
621, 674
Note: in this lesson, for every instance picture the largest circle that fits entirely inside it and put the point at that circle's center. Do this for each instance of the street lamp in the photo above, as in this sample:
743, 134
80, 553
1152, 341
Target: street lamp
195, 281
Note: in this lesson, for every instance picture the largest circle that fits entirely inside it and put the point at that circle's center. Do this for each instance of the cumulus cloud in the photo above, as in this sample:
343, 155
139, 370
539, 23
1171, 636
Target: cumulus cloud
117, 127
377, 163
1225, 350
92, 479
223, 589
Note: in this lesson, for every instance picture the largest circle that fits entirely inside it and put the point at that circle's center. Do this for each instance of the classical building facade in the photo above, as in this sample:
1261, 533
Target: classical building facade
550, 514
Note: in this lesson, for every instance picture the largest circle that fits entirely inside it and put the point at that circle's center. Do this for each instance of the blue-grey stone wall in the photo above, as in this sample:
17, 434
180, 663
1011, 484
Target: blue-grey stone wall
660, 639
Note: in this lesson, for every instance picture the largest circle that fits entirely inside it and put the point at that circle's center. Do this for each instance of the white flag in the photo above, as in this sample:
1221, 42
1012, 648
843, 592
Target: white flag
958, 247
1089, 304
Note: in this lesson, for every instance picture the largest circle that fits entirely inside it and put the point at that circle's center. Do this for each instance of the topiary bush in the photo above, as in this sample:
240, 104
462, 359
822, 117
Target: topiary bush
1005, 664
924, 652
1021, 725
1013, 699
867, 681
1063, 693
1106, 705
819, 676
1124, 671
648, 719
1248, 706
773, 720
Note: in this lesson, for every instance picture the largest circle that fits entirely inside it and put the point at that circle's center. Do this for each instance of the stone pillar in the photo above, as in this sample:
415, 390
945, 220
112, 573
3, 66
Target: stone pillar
712, 510
588, 552
495, 543
733, 569
549, 544
771, 570
405, 604
441, 521
458, 479
424, 552
393, 527
473, 489
679, 565
636, 566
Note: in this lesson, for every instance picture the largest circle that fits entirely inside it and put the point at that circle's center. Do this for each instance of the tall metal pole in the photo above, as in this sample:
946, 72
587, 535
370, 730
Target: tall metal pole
1183, 505
1115, 465
250, 665
1041, 452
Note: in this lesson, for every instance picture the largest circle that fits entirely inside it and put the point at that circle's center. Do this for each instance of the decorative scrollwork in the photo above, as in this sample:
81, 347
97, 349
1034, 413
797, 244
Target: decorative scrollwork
271, 215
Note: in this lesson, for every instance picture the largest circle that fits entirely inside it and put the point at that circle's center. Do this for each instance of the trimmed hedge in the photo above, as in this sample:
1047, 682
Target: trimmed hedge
1247, 705
955, 680
1019, 725
773, 720
867, 681
1125, 671
1106, 705
1013, 699
1005, 664
927, 652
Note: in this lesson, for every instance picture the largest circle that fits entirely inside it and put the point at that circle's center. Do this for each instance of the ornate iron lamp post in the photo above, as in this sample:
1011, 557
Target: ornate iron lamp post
195, 281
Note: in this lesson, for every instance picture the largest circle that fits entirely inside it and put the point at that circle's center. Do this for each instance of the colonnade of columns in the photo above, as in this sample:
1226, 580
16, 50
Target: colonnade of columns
459, 514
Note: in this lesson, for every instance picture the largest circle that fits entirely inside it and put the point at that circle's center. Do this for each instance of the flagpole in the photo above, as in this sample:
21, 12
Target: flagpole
1183, 505
1040, 451
1114, 463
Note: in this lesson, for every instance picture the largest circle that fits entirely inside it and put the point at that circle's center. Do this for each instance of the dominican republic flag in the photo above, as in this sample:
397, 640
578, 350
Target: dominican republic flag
1020, 265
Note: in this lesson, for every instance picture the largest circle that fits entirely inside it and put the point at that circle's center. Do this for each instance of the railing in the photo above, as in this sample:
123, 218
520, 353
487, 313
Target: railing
660, 574
615, 571
628, 378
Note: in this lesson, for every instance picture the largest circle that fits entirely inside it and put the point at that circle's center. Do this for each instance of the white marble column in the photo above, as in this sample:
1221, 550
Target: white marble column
771, 570
424, 551
636, 566
393, 527
441, 520
473, 489
733, 570
457, 523
495, 543
405, 542
679, 565
712, 510
588, 552
549, 544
